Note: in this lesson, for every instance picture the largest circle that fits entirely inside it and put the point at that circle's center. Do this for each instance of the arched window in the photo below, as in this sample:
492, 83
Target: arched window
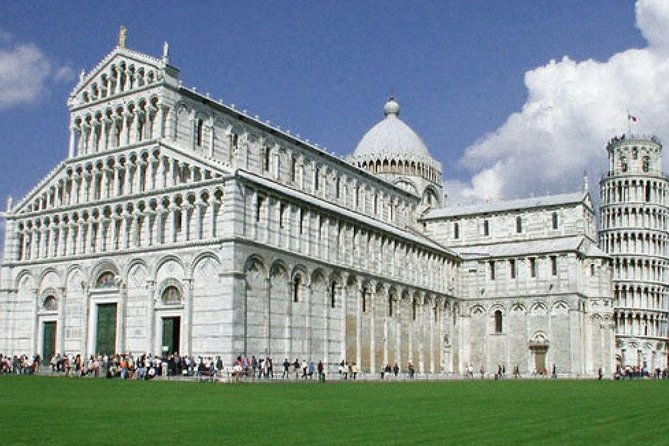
486, 228
554, 218
414, 306
198, 130
364, 300
333, 294
171, 295
519, 225
50, 303
268, 155
296, 288
645, 164
390, 306
498, 321
456, 230
106, 280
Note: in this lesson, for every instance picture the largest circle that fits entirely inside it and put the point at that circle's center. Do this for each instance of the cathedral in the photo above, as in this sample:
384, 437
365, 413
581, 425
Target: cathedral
179, 224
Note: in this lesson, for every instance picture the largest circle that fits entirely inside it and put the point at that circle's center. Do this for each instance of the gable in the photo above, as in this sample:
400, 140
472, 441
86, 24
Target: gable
121, 72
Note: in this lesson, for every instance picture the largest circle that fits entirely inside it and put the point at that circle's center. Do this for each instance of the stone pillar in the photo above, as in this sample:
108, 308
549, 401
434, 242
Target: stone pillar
60, 337
307, 320
358, 334
121, 318
186, 346
372, 328
150, 291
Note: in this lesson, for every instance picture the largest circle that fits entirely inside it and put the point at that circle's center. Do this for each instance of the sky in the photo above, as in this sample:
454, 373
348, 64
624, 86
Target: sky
514, 98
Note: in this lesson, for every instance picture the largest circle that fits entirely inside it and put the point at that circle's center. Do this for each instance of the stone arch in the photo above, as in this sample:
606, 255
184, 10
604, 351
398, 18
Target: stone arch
49, 276
102, 267
477, 310
255, 271
201, 260
559, 307
165, 259
164, 296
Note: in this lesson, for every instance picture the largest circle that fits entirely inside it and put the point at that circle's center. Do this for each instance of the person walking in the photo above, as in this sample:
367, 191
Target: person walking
286, 368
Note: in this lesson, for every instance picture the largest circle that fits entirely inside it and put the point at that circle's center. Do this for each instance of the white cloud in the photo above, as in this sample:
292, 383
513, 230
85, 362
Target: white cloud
572, 109
25, 72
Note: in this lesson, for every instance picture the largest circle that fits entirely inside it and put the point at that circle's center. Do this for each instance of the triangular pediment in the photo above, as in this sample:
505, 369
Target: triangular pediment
121, 72
32, 201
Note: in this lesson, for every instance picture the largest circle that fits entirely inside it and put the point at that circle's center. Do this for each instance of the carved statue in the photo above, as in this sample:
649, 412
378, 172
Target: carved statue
122, 36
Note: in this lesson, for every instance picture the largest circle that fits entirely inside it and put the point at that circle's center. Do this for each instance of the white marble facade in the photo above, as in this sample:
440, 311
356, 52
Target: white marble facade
177, 212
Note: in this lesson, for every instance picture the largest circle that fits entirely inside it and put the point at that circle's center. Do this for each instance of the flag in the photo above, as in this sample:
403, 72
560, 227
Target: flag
631, 118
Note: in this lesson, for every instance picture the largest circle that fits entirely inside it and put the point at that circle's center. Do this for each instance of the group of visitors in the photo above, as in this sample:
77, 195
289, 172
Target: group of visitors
19, 365
633, 372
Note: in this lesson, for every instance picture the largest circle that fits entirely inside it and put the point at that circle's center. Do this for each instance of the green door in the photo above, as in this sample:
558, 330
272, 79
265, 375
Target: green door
171, 332
105, 341
48, 341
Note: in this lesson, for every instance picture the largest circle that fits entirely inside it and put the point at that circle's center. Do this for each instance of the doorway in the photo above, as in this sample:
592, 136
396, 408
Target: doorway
540, 360
171, 334
48, 341
105, 339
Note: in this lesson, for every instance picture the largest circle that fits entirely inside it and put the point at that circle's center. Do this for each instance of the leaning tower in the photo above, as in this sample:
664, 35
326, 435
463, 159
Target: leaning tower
634, 232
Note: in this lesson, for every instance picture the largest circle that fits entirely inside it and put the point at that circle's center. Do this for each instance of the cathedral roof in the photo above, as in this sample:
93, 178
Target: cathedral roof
509, 205
391, 136
533, 247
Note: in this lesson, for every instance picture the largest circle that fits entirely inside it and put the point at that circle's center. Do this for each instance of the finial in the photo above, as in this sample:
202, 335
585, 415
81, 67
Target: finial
586, 182
392, 108
166, 52
82, 75
122, 36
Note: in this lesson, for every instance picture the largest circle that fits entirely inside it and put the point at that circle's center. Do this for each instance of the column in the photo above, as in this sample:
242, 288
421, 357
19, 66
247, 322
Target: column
60, 325
372, 326
150, 291
358, 337
186, 347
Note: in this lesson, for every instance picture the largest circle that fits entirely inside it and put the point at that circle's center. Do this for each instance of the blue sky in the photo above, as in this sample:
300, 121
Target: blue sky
324, 69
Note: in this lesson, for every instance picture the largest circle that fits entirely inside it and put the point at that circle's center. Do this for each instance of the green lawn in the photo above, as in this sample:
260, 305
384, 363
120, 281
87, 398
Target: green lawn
44, 410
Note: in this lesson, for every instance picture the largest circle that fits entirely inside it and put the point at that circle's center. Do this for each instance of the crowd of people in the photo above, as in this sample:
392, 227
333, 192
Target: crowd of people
632, 372
149, 366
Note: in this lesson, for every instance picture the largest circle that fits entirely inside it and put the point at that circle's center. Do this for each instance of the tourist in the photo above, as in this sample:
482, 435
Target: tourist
320, 369
354, 370
396, 369
286, 368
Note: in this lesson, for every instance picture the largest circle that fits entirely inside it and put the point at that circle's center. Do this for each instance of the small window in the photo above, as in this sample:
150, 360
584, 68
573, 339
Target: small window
390, 306
333, 294
337, 187
491, 267
456, 230
554, 268
293, 170
519, 224
645, 164
623, 164
363, 296
199, 130
414, 307
282, 211
259, 204
554, 220
171, 295
512, 268
533, 267
266, 161
296, 288
486, 228
317, 178
498, 321
592, 269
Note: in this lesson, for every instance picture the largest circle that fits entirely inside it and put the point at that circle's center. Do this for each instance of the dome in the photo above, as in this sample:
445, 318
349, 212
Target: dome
391, 136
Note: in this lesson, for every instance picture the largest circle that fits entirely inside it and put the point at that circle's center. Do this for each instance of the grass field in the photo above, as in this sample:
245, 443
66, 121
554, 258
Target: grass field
44, 410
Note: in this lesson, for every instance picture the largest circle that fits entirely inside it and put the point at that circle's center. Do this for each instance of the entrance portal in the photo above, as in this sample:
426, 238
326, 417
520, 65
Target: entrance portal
540, 361
48, 341
171, 334
105, 340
